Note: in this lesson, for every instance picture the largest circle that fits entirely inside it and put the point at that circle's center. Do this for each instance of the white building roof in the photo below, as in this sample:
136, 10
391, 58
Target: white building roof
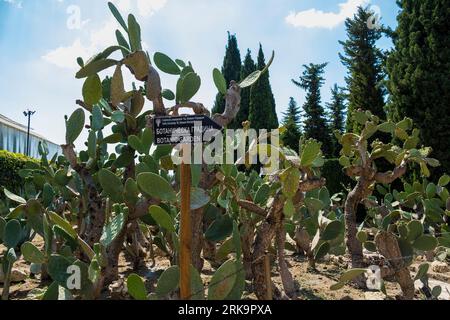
15, 125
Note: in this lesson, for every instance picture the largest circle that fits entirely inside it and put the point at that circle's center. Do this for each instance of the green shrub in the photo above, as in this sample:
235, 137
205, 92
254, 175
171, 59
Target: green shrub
337, 180
10, 164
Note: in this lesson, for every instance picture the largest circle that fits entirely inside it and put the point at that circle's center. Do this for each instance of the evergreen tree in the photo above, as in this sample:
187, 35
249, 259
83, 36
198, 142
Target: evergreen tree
291, 122
231, 70
336, 110
263, 113
364, 62
293, 113
248, 68
315, 125
419, 72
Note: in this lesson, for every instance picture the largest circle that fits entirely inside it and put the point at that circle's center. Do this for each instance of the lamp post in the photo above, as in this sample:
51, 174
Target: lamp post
28, 114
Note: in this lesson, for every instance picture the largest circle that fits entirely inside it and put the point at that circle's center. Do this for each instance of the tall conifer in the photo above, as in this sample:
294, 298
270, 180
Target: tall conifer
315, 124
263, 113
336, 109
231, 70
419, 72
248, 67
291, 122
364, 63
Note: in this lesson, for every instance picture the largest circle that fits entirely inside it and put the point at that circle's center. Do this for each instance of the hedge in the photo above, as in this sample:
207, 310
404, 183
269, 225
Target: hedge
337, 180
10, 164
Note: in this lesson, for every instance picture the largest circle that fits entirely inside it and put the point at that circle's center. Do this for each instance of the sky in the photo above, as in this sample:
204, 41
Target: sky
41, 39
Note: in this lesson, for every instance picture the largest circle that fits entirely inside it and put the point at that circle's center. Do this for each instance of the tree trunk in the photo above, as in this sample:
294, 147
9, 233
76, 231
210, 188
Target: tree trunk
209, 251
111, 271
95, 206
247, 238
207, 181
264, 238
95, 215
137, 243
267, 231
197, 238
303, 241
403, 277
351, 229
387, 245
285, 274
133, 236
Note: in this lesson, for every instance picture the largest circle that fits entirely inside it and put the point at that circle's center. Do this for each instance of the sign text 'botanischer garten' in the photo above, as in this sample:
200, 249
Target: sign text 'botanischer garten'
182, 129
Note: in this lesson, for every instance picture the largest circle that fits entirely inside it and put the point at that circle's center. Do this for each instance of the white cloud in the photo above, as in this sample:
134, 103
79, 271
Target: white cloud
314, 18
122, 5
101, 37
144, 8
65, 57
16, 3
149, 7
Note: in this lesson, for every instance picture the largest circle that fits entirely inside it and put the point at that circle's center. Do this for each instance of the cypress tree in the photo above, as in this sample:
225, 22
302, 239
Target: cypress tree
231, 70
336, 110
248, 67
263, 113
419, 72
364, 63
291, 122
315, 125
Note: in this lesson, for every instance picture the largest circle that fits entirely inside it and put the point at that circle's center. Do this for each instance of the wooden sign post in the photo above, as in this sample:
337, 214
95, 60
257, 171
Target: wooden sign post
185, 233
183, 130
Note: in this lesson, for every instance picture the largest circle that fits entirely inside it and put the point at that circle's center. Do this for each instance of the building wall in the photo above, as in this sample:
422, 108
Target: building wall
14, 140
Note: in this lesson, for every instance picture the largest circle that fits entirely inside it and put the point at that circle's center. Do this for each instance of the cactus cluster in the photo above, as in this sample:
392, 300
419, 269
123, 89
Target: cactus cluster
399, 224
84, 204
121, 191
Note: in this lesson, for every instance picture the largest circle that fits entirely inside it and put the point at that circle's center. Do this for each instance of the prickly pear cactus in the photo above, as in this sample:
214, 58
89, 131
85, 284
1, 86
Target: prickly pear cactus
117, 187
403, 223
318, 227
118, 191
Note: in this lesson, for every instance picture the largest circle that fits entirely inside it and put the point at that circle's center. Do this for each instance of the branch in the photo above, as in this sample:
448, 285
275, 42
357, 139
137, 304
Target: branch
198, 108
389, 177
87, 107
208, 179
305, 186
298, 199
362, 153
142, 208
369, 204
286, 276
232, 105
154, 92
84, 105
252, 207
311, 184
71, 156
354, 171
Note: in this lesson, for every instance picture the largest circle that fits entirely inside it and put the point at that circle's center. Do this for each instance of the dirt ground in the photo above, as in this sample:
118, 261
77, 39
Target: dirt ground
310, 284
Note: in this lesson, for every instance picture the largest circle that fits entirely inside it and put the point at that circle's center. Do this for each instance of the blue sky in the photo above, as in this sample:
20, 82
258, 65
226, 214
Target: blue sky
40, 40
